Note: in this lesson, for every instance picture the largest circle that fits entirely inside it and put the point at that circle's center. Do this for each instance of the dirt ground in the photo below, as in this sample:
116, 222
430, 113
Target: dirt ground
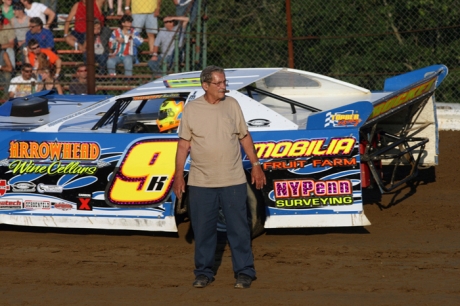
410, 255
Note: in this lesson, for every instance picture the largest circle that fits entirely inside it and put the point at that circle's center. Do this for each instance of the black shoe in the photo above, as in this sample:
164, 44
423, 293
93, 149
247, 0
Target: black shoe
243, 281
202, 281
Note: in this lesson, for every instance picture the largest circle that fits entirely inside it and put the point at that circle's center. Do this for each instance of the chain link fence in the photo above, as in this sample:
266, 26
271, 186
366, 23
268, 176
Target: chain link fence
362, 41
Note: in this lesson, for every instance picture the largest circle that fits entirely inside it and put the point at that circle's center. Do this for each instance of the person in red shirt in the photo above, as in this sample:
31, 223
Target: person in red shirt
77, 37
35, 52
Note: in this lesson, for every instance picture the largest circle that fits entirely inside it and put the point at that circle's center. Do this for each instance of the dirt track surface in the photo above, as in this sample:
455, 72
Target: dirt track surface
410, 255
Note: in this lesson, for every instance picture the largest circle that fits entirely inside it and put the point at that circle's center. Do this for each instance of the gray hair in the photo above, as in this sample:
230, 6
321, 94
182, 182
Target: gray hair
206, 74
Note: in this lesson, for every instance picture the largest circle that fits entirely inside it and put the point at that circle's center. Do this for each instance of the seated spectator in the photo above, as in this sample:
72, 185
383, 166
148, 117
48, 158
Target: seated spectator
7, 40
22, 85
145, 14
124, 42
43, 36
20, 23
101, 46
79, 85
7, 9
165, 41
77, 37
35, 9
34, 52
52, 4
6, 68
48, 81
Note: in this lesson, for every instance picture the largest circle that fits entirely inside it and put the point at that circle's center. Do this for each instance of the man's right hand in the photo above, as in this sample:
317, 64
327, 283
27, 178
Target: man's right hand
179, 186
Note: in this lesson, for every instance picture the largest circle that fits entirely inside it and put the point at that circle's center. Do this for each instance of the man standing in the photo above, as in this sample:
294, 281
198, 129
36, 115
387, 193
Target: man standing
22, 85
213, 127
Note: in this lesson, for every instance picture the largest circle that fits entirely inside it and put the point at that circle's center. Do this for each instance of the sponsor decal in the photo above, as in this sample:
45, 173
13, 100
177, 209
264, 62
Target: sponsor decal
151, 97
310, 193
305, 148
342, 119
10, 204
259, 123
334, 162
84, 195
63, 206
42, 188
313, 202
61, 157
29, 204
192, 96
185, 82
23, 187
4, 187
85, 204
145, 174
284, 164
402, 98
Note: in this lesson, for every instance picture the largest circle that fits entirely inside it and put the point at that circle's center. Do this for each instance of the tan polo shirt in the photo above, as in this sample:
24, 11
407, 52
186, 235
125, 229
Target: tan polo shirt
214, 131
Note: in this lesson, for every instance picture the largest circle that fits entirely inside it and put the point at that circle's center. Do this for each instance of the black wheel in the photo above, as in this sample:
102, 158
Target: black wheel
256, 213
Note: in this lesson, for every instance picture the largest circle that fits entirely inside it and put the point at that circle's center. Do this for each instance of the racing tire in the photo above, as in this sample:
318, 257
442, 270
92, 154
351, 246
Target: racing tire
255, 209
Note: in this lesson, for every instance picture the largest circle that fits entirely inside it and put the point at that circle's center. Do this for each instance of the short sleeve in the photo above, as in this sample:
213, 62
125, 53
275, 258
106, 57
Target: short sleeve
184, 127
240, 121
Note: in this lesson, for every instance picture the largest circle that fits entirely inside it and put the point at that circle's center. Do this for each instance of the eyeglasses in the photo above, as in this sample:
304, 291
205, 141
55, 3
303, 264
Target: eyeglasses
27, 71
168, 21
34, 48
33, 26
81, 70
218, 84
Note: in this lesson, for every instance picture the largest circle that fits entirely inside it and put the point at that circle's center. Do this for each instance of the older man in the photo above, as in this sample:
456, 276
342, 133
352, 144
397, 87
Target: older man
213, 128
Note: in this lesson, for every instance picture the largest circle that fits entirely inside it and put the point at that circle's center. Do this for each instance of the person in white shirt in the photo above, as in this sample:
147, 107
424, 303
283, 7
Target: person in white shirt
35, 9
24, 84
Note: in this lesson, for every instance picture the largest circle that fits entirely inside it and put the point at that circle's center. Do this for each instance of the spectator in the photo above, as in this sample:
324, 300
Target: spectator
35, 9
52, 4
119, 11
22, 85
77, 37
165, 41
123, 42
20, 23
184, 7
79, 85
101, 45
7, 39
48, 81
145, 14
6, 68
7, 9
34, 53
43, 36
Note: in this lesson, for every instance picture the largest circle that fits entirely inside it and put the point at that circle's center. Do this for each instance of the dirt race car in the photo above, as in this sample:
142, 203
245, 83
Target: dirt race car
109, 162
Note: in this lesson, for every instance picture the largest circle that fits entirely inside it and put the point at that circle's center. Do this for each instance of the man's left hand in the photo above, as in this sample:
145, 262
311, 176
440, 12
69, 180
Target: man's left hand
258, 177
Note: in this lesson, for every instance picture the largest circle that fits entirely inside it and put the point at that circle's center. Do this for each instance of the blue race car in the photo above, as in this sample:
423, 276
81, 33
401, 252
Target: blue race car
109, 162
